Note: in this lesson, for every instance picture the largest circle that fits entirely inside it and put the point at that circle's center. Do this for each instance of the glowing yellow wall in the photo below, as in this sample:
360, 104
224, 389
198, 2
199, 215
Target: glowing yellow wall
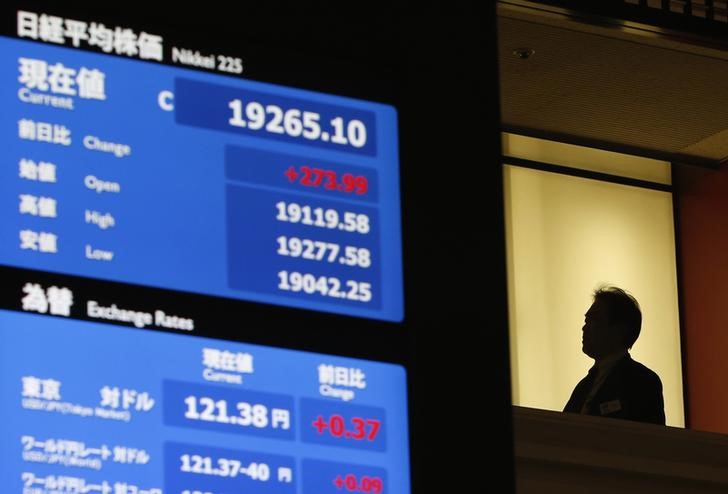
566, 236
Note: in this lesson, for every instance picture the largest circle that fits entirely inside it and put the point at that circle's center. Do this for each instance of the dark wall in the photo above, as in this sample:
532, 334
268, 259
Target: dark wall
455, 255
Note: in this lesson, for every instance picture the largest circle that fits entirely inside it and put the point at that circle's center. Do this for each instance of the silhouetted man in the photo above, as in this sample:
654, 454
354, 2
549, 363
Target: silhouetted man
616, 385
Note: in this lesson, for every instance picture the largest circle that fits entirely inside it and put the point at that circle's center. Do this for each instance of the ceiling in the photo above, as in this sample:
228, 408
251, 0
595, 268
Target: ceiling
612, 85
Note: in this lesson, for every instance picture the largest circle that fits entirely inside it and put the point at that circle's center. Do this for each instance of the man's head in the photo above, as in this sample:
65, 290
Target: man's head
612, 323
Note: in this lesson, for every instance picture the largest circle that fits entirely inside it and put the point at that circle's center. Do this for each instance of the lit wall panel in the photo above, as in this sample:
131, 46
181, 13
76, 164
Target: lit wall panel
565, 236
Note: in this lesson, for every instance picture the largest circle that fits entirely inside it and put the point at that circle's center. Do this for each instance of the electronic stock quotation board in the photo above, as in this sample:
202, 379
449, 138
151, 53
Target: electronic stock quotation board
119, 168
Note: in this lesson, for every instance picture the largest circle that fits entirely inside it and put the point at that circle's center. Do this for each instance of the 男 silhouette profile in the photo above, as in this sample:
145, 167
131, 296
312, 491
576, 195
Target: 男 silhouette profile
616, 386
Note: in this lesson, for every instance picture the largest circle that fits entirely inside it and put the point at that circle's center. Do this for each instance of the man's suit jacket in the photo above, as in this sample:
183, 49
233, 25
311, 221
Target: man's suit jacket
630, 391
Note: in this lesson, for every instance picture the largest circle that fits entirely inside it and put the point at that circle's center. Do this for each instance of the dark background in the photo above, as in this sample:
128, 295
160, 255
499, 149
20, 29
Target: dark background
437, 66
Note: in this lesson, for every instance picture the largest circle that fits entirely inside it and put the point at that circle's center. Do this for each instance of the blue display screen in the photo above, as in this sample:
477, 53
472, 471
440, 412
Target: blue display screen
142, 173
87, 408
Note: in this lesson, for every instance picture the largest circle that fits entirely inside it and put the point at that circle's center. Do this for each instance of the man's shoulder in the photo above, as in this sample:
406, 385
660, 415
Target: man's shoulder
638, 371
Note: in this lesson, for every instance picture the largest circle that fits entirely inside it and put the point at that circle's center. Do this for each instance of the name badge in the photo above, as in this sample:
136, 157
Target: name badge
610, 407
